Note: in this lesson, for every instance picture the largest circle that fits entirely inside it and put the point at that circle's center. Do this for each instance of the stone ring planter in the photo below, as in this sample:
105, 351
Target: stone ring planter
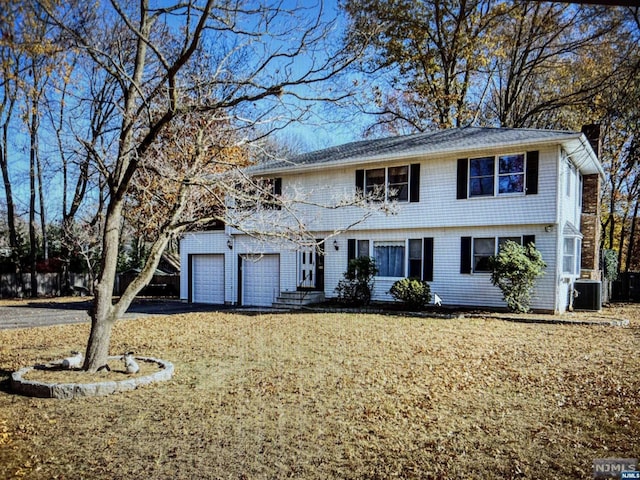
33, 388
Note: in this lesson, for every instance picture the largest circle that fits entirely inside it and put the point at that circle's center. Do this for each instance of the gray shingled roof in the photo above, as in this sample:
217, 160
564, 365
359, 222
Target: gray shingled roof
441, 141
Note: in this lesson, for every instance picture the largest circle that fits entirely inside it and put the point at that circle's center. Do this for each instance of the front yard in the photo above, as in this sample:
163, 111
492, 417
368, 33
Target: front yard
335, 396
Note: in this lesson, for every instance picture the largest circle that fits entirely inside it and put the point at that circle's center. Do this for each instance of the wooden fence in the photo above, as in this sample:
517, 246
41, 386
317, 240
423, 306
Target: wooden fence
49, 284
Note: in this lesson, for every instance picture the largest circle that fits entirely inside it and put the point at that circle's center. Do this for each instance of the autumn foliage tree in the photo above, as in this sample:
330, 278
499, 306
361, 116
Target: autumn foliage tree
205, 66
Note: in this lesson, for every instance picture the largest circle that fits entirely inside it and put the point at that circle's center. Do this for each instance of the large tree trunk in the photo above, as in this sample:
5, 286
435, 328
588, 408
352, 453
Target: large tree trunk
33, 241
104, 315
632, 237
11, 217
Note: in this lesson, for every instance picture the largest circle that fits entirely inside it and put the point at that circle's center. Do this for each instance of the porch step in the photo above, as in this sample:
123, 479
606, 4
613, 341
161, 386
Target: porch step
298, 299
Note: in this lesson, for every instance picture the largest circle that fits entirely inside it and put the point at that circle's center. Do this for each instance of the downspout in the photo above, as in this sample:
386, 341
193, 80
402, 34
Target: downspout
558, 249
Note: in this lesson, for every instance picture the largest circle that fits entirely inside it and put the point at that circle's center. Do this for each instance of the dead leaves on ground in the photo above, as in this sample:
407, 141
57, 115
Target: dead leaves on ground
339, 396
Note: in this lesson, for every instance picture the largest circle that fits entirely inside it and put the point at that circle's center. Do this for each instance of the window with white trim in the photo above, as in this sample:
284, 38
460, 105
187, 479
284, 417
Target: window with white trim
389, 258
412, 257
362, 248
388, 184
504, 174
485, 248
571, 255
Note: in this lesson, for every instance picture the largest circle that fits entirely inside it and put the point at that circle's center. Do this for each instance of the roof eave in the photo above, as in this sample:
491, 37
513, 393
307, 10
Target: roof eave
362, 160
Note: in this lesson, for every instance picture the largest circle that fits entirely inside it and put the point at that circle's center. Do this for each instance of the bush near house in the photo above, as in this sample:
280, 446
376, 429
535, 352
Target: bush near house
414, 293
514, 271
356, 286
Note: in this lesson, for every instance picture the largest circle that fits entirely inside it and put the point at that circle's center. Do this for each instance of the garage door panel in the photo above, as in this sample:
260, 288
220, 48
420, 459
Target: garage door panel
260, 280
208, 278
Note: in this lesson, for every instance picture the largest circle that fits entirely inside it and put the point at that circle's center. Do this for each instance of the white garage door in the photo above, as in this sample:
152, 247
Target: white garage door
260, 280
208, 278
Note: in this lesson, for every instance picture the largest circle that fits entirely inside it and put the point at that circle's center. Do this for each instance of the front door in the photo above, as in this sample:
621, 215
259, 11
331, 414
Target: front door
311, 267
307, 268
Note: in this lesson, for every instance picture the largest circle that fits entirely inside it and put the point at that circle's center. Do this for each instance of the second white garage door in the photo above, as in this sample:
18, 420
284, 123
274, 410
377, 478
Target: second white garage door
208, 278
260, 280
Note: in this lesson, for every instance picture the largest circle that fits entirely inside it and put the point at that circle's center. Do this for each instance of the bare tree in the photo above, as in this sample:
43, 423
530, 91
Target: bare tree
11, 65
244, 61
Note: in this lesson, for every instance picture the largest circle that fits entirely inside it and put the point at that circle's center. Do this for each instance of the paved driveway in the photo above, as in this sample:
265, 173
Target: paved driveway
41, 314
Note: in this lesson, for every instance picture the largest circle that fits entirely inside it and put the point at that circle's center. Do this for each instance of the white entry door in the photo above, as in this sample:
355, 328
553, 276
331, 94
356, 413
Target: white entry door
307, 267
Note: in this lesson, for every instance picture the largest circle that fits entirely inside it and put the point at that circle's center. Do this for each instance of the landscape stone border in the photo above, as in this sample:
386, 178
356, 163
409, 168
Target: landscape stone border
33, 388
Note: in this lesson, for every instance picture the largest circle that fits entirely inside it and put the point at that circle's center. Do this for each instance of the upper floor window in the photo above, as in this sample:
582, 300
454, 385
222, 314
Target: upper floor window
498, 175
481, 176
262, 193
400, 183
506, 175
511, 173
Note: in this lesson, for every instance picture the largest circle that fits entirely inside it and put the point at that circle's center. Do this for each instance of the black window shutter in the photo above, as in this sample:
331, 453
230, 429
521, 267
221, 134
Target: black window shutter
351, 249
462, 180
277, 186
465, 255
414, 187
360, 181
532, 172
527, 239
427, 259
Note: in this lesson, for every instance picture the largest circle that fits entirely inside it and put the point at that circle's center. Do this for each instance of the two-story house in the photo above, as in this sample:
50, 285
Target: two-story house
458, 194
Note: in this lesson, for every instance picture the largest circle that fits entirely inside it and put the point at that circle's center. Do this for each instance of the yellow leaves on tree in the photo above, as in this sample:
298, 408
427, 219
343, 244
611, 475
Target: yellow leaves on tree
184, 170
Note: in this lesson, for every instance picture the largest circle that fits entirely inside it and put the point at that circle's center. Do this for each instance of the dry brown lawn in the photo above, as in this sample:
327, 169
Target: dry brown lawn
318, 396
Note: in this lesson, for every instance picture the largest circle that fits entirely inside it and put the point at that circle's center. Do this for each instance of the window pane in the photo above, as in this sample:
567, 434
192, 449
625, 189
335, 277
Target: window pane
511, 164
399, 192
568, 258
399, 183
415, 248
415, 258
415, 269
389, 259
480, 167
363, 248
374, 182
399, 174
567, 264
483, 248
481, 186
481, 176
511, 184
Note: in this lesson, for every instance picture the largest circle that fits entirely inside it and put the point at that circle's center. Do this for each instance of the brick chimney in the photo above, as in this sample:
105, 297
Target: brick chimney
592, 132
590, 227
590, 217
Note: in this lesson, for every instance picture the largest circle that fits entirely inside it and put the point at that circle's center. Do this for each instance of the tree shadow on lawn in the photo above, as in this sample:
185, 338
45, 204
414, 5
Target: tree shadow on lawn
5, 382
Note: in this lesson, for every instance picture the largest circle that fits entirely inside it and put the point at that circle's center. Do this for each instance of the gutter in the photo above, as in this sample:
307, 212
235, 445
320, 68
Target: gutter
402, 157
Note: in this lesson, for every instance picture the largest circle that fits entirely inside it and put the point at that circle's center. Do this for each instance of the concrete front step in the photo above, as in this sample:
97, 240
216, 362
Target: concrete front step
298, 299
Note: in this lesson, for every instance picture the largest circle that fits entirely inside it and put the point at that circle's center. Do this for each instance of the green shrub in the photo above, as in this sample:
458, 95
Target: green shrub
414, 293
356, 286
514, 271
610, 261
